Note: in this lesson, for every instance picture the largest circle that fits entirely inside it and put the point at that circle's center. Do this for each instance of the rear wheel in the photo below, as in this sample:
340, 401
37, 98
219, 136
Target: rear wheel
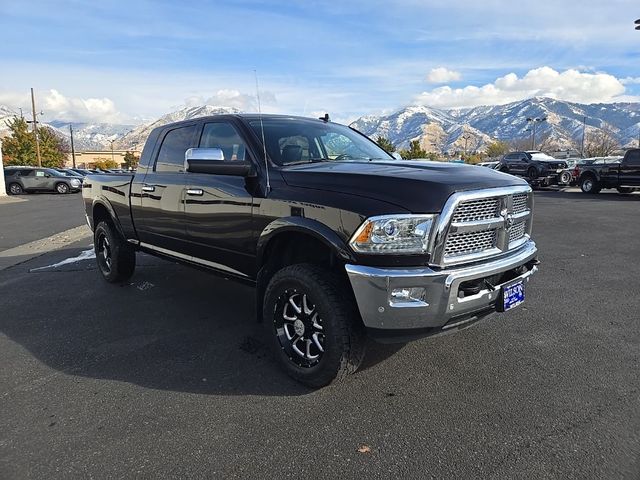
312, 325
62, 188
115, 257
589, 185
15, 189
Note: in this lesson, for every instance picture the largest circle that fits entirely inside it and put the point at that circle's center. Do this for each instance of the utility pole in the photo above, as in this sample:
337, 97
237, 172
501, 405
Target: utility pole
35, 128
73, 150
584, 125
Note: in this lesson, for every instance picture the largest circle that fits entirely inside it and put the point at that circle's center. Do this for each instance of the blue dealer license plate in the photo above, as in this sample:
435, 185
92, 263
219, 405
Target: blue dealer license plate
512, 296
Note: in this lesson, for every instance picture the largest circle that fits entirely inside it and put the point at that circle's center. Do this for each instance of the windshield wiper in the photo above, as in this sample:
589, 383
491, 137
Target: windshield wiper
309, 160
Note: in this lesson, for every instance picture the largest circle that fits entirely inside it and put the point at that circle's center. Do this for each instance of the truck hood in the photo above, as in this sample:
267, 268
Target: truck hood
417, 186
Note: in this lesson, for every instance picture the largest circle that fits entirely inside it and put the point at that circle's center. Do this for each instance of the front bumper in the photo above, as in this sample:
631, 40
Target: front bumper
444, 307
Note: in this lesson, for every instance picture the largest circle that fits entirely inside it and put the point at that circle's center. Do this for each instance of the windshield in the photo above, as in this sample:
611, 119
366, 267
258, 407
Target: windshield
293, 141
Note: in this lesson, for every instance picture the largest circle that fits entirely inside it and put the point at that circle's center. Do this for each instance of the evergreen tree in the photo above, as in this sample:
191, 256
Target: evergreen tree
497, 149
130, 160
385, 144
19, 148
414, 151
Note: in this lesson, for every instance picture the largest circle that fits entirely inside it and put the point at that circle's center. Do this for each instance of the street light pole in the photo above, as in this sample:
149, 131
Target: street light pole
534, 121
112, 157
584, 125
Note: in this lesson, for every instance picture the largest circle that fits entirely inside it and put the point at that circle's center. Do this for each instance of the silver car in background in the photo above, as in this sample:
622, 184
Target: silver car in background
33, 179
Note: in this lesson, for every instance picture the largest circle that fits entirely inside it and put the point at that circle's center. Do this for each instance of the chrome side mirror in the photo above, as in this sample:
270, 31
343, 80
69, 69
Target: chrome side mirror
204, 154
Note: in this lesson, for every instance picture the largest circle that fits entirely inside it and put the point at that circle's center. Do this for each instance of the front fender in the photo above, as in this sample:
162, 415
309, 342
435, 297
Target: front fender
307, 226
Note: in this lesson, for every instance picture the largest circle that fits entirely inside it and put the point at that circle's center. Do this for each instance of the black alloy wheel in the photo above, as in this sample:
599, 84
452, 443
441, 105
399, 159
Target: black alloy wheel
299, 328
115, 257
312, 324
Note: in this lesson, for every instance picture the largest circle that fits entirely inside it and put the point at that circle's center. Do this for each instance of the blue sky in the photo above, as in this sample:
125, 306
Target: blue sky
131, 60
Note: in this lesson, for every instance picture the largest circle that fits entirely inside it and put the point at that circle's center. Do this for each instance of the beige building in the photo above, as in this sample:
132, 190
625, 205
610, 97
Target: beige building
90, 158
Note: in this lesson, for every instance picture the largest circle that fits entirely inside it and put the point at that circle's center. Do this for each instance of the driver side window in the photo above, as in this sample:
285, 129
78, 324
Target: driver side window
224, 136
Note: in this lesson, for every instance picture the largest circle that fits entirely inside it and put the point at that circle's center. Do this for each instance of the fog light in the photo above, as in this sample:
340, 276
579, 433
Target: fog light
409, 295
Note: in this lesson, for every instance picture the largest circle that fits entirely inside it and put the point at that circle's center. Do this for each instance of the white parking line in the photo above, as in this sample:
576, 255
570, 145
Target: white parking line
84, 255
22, 253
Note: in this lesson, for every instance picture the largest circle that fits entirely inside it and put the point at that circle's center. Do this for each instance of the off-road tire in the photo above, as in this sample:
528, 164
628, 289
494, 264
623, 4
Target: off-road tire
121, 261
344, 336
532, 173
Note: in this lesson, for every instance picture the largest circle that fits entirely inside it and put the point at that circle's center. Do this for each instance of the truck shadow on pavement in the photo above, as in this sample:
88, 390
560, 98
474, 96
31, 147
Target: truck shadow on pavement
169, 328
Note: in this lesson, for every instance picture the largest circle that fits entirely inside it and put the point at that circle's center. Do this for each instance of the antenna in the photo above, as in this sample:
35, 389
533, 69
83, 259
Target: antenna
264, 145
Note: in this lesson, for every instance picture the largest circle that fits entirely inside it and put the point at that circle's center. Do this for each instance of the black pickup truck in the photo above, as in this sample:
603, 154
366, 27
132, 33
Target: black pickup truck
540, 169
341, 239
623, 175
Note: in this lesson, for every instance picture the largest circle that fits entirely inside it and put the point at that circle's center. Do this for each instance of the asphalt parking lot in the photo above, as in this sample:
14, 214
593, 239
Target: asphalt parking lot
167, 376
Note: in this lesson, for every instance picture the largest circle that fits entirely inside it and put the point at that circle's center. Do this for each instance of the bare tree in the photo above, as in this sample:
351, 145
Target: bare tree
600, 143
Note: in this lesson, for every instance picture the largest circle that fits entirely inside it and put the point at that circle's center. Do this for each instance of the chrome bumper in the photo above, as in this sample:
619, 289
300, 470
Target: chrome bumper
442, 307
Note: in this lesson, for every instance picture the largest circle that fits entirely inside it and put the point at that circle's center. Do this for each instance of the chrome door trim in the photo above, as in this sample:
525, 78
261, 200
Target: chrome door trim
190, 258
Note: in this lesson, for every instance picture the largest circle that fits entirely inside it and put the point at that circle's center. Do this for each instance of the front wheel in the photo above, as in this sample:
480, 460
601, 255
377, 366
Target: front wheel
312, 325
15, 189
532, 173
115, 257
62, 188
589, 185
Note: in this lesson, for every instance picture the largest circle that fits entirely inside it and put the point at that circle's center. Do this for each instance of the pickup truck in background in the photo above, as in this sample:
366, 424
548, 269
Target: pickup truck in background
623, 174
538, 168
341, 239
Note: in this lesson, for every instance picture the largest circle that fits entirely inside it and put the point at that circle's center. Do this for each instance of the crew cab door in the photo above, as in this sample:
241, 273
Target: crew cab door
218, 208
630, 169
159, 220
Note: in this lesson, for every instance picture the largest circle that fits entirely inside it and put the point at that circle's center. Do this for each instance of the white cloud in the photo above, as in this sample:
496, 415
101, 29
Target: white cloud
443, 75
570, 85
232, 98
57, 106
630, 80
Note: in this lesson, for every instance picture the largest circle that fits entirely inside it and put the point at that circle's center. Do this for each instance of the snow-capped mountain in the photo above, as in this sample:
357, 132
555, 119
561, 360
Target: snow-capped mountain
446, 130
135, 138
91, 136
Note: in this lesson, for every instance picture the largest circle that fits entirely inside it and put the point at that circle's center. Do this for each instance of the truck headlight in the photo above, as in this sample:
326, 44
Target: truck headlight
394, 234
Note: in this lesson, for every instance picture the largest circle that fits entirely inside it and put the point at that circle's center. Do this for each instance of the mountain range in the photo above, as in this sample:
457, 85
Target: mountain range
450, 130
437, 130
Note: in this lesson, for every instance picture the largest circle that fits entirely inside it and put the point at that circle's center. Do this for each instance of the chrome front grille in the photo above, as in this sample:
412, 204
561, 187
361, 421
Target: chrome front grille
520, 203
474, 210
517, 232
465, 243
481, 224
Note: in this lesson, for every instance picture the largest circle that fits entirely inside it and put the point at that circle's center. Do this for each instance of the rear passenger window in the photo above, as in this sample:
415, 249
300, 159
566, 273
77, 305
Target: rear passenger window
634, 158
175, 143
224, 136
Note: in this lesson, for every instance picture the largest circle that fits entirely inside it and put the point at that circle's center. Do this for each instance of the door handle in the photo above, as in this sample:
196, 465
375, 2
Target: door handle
148, 188
195, 191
